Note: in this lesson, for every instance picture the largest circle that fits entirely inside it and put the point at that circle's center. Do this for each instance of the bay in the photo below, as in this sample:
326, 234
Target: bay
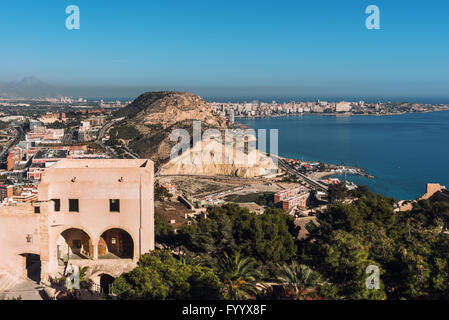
404, 152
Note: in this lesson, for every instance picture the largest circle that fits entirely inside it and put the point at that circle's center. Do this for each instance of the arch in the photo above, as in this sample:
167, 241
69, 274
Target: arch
74, 244
118, 227
135, 242
78, 228
106, 282
116, 243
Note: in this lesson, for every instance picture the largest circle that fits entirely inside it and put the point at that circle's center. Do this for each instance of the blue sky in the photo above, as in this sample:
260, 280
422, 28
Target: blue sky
285, 47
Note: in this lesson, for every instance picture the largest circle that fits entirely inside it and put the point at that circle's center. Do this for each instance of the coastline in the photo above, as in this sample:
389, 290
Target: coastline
331, 170
342, 114
322, 175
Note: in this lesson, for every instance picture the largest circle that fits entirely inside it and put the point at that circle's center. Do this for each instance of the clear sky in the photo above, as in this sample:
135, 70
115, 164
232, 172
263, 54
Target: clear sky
247, 47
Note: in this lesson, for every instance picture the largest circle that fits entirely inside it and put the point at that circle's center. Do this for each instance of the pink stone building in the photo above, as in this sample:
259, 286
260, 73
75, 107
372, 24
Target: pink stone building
94, 213
295, 197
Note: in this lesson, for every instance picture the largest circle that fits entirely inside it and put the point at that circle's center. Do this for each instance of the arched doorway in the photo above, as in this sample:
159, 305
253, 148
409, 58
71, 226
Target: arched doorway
74, 244
115, 244
32, 266
106, 282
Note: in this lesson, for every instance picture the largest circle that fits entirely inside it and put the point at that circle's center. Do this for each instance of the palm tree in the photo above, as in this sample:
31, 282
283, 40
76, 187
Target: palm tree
299, 278
239, 276
186, 259
85, 282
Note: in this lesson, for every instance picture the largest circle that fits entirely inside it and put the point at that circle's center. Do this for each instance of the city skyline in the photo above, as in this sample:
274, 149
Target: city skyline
36, 89
262, 49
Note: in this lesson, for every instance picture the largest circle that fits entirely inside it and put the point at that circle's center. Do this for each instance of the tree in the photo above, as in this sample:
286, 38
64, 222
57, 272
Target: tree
239, 275
361, 191
409, 248
160, 193
268, 238
338, 192
432, 213
85, 282
164, 232
344, 261
262, 199
160, 276
298, 278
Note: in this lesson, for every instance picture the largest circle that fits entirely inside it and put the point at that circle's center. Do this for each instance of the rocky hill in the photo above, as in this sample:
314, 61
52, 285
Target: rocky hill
169, 108
153, 116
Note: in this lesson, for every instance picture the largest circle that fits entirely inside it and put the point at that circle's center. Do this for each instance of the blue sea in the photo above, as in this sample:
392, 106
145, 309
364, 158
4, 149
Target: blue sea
404, 152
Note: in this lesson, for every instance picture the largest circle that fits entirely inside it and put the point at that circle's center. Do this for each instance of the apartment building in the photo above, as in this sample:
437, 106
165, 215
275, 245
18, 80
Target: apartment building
295, 197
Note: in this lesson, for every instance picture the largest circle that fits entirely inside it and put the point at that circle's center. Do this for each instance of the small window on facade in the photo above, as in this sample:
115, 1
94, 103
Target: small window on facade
37, 210
114, 205
29, 239
57, 204
74, 205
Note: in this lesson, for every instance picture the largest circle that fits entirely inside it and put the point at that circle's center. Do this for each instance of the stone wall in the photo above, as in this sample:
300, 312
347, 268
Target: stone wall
22, 232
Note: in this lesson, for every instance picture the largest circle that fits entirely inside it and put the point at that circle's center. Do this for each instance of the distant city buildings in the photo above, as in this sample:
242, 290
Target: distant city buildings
230, 110
261, 109
53, 117
6, 192
89, 128
42, 135
343, 107
34, 124
330, 181
14, 158
44, 141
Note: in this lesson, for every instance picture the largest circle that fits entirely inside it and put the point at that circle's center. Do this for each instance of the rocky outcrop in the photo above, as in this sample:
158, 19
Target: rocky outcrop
209, 158
166, 109
156, 115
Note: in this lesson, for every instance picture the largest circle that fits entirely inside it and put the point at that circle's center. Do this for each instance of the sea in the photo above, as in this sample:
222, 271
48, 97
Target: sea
404, 152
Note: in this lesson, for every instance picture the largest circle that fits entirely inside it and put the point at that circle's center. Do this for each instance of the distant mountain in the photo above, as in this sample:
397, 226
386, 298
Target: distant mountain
29, 87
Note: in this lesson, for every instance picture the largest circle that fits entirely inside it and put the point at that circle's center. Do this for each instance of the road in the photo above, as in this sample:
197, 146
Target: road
20, 136
313, 183
129, 152
68, 137
106, 127
111, 152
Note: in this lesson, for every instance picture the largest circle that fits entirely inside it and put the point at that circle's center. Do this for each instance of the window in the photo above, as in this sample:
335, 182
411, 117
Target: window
37, 210
114, 205
74, 205
57, 204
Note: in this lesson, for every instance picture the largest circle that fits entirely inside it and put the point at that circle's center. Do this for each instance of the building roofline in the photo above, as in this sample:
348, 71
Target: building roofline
102, 163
